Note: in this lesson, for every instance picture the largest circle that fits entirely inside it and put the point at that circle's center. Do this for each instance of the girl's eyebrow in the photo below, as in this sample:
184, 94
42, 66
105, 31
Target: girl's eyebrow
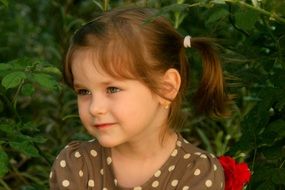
77, 85
103, 83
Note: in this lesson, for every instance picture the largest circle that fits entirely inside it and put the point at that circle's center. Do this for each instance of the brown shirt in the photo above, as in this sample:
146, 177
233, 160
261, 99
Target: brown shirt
88, 165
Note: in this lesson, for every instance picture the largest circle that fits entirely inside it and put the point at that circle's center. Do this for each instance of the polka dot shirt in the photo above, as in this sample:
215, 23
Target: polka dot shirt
87, 165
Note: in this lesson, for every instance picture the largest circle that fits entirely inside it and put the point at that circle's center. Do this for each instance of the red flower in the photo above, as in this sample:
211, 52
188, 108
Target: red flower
236, 174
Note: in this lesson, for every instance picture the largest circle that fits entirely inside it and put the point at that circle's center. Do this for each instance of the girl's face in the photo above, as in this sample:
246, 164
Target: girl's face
112, 110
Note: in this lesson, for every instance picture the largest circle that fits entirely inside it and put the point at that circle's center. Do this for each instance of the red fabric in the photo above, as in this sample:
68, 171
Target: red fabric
236, 174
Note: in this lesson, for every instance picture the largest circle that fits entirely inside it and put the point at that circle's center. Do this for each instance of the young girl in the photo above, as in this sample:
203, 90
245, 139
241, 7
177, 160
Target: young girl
130, 73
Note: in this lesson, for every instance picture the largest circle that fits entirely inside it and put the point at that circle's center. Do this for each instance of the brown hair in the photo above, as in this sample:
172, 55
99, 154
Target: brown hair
132, 43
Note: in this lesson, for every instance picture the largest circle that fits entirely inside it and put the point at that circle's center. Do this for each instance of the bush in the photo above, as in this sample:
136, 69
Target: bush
39, 115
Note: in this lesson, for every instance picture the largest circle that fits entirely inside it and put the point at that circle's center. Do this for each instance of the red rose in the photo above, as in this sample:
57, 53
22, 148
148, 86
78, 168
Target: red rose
236, 174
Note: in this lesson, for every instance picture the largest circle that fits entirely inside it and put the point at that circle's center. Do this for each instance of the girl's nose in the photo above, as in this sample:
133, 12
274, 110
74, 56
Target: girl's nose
97, 106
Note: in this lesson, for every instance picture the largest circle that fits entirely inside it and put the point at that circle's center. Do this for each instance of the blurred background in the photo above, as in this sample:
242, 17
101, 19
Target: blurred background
38, 114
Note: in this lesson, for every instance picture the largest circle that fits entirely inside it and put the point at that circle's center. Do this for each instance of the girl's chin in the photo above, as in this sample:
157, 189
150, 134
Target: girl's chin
107, 142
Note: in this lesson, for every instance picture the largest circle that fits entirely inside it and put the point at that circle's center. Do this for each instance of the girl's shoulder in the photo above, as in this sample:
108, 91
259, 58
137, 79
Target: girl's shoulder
74, 163
77, 152
79, 149
193, 151
200, 167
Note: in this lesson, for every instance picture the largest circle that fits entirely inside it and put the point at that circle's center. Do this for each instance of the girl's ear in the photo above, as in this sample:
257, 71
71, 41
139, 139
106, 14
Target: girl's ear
171, 84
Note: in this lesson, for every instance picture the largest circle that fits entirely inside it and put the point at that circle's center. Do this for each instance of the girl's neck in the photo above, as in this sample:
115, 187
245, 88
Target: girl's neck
135, 163
145, 149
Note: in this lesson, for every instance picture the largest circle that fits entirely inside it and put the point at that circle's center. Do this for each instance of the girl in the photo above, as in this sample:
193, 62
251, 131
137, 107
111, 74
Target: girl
130, 73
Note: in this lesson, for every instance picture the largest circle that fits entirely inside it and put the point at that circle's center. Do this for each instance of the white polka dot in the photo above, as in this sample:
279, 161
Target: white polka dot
109, 160
213, 156
137, 188
62, 163
65, 183
50, 175
66, 146
102, 172
197, 172
188, 165
208, 183
198, 153
186, 156
80, 173
185, 188
171, 168
174, 153
91, 183
203, 156
157, 174
174, 183
93, 153
115, 182
178, 143
104, 188
186, 141
215, 167
77, 154
155, 184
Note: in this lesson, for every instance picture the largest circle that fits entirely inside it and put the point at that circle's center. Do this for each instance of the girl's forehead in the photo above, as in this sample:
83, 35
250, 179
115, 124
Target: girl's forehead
91, 58
83, 53
86, 58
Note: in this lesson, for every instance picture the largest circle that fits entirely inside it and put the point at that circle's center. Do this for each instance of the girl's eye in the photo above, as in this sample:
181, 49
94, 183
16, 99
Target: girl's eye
111, 90
83, 92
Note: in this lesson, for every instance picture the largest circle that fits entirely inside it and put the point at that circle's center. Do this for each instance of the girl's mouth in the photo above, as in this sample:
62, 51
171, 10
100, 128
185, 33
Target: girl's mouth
104, 125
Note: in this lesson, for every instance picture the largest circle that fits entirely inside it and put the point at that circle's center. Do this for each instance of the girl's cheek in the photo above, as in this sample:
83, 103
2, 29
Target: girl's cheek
83, 108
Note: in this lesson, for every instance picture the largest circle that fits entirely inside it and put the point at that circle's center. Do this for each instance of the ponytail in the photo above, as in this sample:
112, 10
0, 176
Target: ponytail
210, 98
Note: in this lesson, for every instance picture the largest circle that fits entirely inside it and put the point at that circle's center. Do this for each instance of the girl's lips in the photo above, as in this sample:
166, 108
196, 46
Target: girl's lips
104, 125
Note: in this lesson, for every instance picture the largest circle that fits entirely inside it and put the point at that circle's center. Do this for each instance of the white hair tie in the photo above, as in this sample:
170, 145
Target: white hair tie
187, 41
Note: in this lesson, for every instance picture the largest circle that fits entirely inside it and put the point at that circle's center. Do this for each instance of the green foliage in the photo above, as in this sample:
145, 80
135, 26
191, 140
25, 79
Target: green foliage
38, 114
4, 2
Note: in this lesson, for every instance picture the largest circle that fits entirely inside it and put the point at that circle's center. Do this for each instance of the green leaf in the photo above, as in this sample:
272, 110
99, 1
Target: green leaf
52, 70
278, 78
279, 176
7, 126
38, 139
22, 64
266, 185
25, 147
35, 138
30, 126
278, 127
4, 2
98, 4
218, 1
246, 142
1, 106
280, 104
273, 152
246, 19
4, 161
172, 8
12, 80
217, 15
5, 66
205, 139
166, 9
28, 90
45, 80
267, 138
262, 173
